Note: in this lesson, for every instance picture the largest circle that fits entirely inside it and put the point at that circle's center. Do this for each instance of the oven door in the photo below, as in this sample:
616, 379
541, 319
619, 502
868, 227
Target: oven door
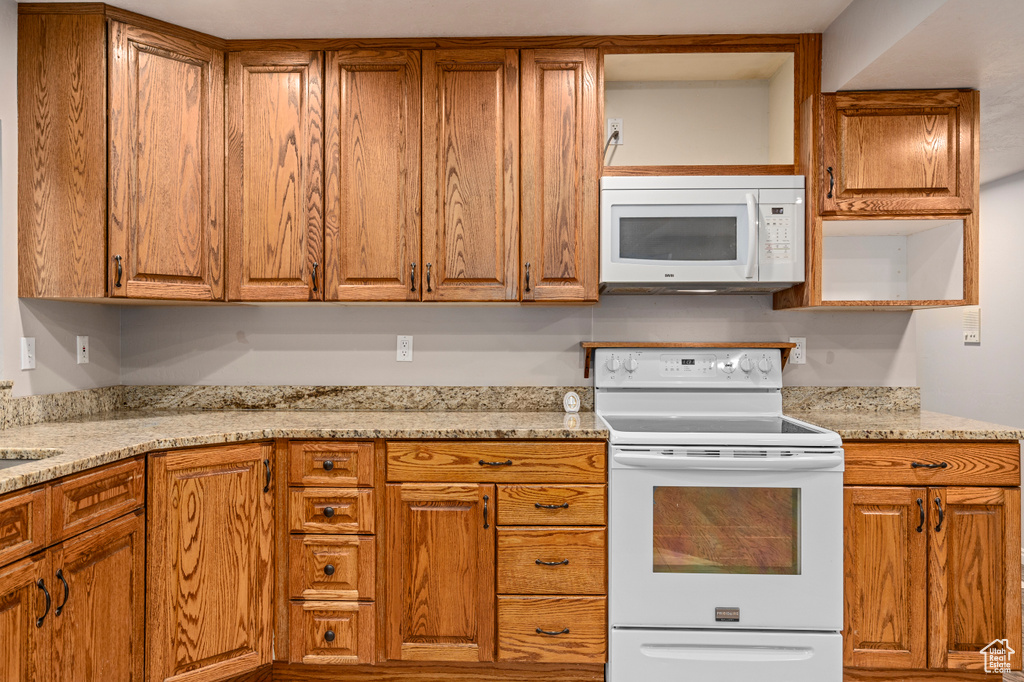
741, 548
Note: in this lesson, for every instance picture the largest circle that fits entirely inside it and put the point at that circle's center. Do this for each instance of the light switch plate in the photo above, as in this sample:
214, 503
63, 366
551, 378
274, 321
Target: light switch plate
82, 349
28, 352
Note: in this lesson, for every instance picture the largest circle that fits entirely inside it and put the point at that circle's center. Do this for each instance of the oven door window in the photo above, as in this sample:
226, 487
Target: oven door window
711, 234
726, 530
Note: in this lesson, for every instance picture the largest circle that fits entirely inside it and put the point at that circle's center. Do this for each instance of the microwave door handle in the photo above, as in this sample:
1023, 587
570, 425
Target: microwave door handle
752, 242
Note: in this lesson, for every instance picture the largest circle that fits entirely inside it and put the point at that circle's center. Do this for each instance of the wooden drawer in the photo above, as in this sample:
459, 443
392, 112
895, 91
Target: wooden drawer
576, 560
331, 633
498, 461
331, 510
551, 505
966, 463
332, 567
23, 527
314, 462
83, 501
552, 629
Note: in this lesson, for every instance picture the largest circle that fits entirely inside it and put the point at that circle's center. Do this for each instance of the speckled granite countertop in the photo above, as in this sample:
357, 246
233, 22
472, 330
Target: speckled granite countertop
904, 425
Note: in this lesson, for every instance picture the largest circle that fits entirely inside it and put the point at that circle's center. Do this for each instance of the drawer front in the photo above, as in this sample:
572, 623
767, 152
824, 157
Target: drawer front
331, 510
552, 560
551, 505
331, 633
23, 527
571, 629
960, 463
84, 501
331, 567
331, 463
497, 461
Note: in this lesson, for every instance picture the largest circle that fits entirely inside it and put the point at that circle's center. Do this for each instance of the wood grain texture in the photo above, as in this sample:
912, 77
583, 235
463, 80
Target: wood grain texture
649, 171
209, 563
274, 176
348, 626
373, 176
62, 159
531, 505
559, 130
583, 622
166, 170
449, 672
884, 578
973, 574
282, 550
26, 647
86, 500
583, 549
23, 527
532, 461
330, 510
332, 567
968, 463
440, 572
99, 629
382, 588
329, 463
854, 675
471, 175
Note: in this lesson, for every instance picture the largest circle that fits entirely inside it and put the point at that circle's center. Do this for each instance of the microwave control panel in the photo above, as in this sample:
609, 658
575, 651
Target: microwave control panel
777, 228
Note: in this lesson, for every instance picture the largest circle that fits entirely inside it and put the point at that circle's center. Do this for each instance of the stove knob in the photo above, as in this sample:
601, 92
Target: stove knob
746, 365
765, 365
729, 366
614, 363
631, 364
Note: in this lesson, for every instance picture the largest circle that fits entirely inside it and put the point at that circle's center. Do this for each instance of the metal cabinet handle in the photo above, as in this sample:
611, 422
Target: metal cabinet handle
942, 514
563, 562
920, 506
506, 463
429, 290
538, 505
563, 631
328, 512
328, 464
117, 280
831, 182
527, 278
486, 499
266, 467
329, 636
412, 276
42, 586
918, 465
67, 593
329, 569
315, 266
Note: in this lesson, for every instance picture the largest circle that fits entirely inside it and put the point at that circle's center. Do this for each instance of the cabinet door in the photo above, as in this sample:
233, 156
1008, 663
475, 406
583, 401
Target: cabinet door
470, 175
900, 151
209, 563
24, 639
559, 189
99, 617
166, 166
885, 574
440, 572
372, 176
275, 177
974, 574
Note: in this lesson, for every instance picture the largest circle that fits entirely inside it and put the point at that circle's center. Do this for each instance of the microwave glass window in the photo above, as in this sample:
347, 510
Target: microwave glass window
681, 238
726, 530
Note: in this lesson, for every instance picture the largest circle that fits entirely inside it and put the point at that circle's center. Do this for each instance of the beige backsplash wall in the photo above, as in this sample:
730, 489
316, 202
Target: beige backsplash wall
489, 345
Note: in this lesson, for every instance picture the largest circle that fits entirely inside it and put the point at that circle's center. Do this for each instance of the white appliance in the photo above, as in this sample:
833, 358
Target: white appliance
725, 521
701, 234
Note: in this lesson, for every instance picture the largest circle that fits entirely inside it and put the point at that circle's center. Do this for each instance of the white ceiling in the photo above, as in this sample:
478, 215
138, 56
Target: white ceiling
427, 18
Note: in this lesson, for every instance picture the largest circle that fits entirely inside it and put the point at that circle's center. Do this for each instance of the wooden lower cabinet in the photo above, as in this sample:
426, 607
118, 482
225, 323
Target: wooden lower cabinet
552, 629
331, 632
25, 646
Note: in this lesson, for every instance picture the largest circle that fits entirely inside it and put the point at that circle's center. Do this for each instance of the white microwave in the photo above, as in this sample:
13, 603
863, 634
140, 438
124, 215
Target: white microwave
702, 234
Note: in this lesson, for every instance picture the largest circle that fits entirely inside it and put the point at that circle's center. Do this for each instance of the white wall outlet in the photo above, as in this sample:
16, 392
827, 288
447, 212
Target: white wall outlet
798, 356
82, 349
614, 124
972, 325
28, 352
404, 349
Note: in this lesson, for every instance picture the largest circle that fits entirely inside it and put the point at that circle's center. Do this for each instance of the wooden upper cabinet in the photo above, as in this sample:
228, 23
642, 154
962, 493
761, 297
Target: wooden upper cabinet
166, 170
24, 638
209, 563
899, 151
470, 175
440, 572
372, 165
560, 175
275, 176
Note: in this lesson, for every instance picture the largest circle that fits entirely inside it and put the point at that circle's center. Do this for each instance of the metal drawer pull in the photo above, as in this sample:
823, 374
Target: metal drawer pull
412, 276
486, 499
942, 514
538, 505
328, 512
315, 266
506, 463
328, 464
920, 506
42, 586
429, 290
918, 465
329, 569
67, 592
563, 562
266, 486
117, 262
564, 631
329, 635
831, 182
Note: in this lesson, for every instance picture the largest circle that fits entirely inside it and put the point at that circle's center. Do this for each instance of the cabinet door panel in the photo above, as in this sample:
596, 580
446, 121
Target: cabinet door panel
275, 176
440, 572
373, 176
25, 646
209, 563
470, 174
559, 190
98, 627
974, 574
166, 170
885, 574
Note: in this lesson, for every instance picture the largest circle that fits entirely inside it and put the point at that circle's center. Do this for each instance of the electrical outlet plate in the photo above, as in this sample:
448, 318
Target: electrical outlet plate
798, 356
28, 352
404, 349
613, 125
82, 349
972, 325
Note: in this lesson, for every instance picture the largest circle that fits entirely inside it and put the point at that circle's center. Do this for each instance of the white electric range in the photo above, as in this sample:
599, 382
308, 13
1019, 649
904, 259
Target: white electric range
725, 521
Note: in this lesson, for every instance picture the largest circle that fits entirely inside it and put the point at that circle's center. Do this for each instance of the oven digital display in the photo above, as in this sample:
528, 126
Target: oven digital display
687, 361
687, 365
777, 210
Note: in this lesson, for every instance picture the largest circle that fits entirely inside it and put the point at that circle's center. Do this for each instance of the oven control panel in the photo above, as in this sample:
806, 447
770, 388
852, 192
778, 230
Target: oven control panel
695, 368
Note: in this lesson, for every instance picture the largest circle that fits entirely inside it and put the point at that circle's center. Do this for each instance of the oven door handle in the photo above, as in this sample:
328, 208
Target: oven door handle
727, 654
825, 460
754, 237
